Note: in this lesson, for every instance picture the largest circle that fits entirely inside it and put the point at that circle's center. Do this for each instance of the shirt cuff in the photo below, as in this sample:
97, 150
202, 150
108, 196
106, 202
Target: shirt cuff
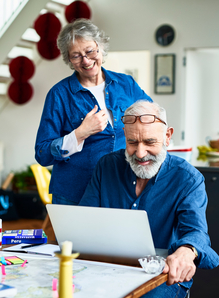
70, 144
56, 150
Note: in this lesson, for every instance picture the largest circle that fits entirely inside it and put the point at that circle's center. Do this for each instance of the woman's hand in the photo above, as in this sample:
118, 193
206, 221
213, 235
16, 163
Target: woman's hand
180, 266
93, 123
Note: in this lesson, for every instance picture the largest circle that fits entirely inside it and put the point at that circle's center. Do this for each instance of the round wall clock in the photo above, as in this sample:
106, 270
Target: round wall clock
165, 35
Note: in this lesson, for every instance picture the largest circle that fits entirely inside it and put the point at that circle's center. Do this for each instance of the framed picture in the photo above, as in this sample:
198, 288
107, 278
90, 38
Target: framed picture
164, 74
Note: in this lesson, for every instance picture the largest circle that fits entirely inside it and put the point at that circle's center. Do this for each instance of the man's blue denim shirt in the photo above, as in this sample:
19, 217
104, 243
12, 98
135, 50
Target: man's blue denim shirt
66, 105
175, 201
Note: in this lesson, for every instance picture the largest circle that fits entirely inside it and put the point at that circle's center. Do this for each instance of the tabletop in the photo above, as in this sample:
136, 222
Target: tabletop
91, 279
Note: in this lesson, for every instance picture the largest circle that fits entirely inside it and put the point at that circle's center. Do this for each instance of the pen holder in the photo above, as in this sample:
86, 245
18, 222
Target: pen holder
65, 274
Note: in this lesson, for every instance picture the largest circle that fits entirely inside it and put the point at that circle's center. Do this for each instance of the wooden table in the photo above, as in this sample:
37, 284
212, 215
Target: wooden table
136, 293
141, 290
148, 286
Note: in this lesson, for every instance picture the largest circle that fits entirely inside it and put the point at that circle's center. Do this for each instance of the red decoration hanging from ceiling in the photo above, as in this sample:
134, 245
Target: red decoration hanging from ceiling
21, 69
20, 92
48, 49
48, 27
77, 9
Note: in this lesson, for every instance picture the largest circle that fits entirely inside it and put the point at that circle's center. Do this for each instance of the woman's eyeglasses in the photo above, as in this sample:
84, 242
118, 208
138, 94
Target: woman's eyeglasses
92, 54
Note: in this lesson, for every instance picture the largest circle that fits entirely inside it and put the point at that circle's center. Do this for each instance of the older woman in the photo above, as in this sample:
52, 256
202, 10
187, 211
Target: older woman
81, 116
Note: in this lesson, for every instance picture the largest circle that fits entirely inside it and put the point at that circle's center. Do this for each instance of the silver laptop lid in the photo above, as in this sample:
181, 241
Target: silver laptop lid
103, 231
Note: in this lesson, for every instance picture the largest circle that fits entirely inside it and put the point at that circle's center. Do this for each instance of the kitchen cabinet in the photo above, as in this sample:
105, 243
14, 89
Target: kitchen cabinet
206, 282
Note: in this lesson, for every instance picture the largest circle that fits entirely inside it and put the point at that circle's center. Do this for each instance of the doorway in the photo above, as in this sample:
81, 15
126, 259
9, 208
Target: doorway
201, 95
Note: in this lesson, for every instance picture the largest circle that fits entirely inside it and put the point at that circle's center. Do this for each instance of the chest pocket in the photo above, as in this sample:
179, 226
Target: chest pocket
77, 120
73, 122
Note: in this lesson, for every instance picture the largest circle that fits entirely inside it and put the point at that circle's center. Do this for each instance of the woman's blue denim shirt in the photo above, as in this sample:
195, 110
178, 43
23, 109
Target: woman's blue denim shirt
66, 105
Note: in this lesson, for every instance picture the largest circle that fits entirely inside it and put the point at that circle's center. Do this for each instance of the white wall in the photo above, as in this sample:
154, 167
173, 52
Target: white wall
131, 25
135, 63
19, 123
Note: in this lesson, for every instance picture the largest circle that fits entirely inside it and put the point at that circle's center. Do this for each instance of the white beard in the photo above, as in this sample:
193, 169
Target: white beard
150, 170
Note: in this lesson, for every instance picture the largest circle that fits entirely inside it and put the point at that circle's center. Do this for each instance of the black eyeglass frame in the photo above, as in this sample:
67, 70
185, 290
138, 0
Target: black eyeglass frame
82, 56
136, 117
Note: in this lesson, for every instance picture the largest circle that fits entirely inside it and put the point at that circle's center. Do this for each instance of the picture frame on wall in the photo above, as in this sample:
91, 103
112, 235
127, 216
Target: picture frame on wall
164, 74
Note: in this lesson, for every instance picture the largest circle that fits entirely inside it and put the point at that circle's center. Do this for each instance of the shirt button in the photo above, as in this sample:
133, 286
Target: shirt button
134, 205
82, 118
115, 119
106, 92
134, 182
113, 137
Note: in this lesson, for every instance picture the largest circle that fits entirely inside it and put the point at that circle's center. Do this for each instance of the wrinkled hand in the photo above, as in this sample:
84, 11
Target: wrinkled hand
93, 123
180, 266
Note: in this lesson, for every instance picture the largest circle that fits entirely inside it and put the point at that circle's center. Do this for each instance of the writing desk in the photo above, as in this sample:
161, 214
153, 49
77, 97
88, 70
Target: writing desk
92, 279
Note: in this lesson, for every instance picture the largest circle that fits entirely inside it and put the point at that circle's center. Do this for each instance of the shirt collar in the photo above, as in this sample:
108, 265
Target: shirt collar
109, 76
163, 169
75, 86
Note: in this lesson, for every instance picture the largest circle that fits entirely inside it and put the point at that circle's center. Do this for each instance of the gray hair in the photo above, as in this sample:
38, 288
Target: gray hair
144, 107
81, 28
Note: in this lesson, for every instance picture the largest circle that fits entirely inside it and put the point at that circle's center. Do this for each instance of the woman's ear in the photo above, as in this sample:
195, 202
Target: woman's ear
169, 135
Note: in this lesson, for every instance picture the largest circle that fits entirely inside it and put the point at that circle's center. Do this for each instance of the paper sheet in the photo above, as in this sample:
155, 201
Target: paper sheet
43, 249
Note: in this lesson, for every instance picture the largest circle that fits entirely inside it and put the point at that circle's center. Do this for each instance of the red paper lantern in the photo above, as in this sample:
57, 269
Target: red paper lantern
47, 26
21, 68
19, 92
76, 10
48, 49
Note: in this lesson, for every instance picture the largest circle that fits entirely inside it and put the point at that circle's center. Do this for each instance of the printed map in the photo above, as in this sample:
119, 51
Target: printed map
91, 279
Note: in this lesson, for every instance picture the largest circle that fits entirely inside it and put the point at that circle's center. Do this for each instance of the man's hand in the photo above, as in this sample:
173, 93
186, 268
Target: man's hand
180, 266
93, 123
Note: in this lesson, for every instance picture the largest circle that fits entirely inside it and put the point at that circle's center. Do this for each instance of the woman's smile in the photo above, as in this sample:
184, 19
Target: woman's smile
89, 67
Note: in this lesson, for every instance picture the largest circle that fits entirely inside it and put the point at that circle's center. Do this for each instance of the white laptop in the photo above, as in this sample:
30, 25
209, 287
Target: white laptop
103, 231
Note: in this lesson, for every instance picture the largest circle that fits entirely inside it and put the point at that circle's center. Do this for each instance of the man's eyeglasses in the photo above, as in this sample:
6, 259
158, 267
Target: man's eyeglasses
92, 54
146, 118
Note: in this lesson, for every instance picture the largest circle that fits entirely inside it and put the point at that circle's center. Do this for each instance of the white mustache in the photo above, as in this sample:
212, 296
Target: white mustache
145, 158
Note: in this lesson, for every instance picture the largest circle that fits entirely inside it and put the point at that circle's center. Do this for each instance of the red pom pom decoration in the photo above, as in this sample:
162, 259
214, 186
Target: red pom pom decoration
20, 93
47, 26
48, 49
21, 68
76, 10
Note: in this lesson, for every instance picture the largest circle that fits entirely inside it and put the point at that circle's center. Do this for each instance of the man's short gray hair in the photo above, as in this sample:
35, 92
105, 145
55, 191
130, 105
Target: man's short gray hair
142, 106
85, 29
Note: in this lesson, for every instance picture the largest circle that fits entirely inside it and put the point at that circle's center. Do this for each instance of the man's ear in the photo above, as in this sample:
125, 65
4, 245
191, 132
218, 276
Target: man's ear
169, 135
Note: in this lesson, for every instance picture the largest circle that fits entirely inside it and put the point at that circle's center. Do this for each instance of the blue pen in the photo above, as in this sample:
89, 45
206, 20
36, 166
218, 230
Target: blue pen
3, 261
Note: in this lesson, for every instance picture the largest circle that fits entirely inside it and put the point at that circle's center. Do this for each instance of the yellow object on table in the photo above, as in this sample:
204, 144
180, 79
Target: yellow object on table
65, 270
204, 149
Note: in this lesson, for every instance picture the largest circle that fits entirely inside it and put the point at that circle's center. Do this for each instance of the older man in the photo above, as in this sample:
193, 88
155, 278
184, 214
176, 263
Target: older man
146, 177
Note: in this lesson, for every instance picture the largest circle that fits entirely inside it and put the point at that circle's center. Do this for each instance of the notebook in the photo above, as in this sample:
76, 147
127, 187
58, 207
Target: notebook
103, 231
